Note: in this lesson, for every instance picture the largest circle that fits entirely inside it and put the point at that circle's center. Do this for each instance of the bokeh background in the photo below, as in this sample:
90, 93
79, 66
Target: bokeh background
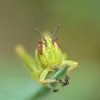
79, 37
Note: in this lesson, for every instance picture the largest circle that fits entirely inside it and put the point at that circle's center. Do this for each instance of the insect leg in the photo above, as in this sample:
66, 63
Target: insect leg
43, 79
71, 65
50, 87
66, 80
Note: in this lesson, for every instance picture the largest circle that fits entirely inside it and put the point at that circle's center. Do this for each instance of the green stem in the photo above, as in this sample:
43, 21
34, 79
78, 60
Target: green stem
42, 91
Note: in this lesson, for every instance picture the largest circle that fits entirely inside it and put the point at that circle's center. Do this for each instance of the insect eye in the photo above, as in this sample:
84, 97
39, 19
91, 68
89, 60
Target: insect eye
40, 47
56, 41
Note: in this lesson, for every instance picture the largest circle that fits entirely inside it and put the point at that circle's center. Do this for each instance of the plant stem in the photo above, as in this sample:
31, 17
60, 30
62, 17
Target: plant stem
42, 91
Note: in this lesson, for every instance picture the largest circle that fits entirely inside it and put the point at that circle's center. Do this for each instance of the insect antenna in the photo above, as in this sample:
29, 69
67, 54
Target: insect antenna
57, 28
42, 36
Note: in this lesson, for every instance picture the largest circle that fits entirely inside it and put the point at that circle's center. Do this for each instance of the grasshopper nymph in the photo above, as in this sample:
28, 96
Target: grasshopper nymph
48, 58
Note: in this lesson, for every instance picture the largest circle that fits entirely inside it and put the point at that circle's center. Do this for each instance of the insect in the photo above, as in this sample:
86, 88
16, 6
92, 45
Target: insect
48, 58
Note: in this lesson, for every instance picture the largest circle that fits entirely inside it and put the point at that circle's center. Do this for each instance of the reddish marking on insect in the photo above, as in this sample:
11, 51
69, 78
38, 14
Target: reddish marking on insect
40, 46
57, 42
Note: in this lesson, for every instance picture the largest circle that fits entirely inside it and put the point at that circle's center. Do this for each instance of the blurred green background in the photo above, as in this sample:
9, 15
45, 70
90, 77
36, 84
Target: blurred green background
79, 37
